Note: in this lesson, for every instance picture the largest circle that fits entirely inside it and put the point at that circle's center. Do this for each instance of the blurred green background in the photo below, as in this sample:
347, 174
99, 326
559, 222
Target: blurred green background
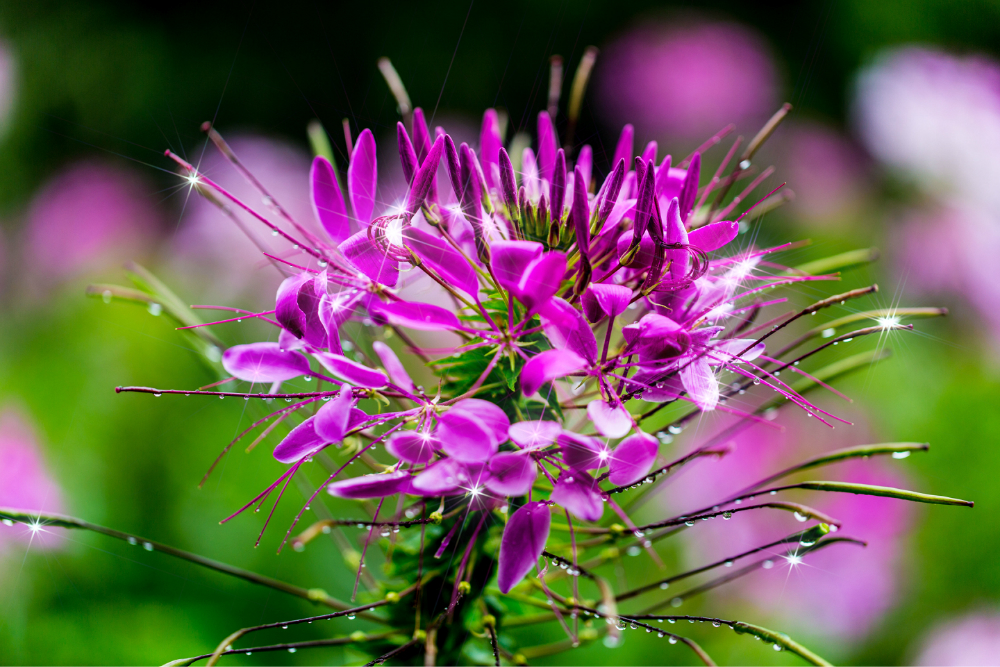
120, 82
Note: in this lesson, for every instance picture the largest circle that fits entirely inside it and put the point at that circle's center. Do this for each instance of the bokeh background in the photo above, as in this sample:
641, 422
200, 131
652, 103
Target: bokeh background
894, 143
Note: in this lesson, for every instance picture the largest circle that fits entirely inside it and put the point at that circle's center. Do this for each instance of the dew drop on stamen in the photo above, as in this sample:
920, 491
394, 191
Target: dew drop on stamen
157, 394
801, 517
726, 516
672, 640
776, 647
716, 624
147, 546
676, 602
291, 650
664, 586
900, 455
351, 617
132, 541
728, 563
274, 232
284, 627
675, 429
106, 296
154, 309
689, 523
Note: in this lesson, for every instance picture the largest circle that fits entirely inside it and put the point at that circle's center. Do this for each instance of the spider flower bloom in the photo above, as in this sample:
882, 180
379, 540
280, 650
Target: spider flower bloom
88, 216
973, 639
24, 481
686, 79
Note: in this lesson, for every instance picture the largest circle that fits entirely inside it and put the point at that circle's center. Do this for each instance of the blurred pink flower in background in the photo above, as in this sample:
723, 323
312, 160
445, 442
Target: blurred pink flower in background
827, 172
857, 585
86, 217
211, 254
686, 79
24, 481
936, 118
971, 640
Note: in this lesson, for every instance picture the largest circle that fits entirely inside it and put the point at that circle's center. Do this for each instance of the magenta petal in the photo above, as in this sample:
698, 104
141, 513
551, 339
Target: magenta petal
423, 180
490, 143
362, 177
541, 280
446, 477
351, 371
534, 434
547, 146
522, 544
370, 260
397, 373
420, 316
465, 438
566, 328
674, 231
623, 150
548, 366
491, 415
689, 191
610, 421
649, 152
378, 485
510, 259
333, 418
579, 493
443, 260
724, 351
302, 440
585, 163
700, 383
582, 452
328, 201
286, 304
602, 299
263, 362
511, 474
714, 236
647, 247
632, 459
413, 446
407, 156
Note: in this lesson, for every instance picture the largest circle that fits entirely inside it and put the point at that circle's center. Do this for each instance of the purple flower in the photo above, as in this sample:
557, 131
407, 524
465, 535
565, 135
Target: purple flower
972, 639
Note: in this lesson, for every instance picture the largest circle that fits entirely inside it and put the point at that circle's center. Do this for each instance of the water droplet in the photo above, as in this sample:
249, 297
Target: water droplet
154, 309
807, 542
274, 233
8, 522
689, 523
106, 296
660, 635
221, 397
744, 164
664, 585
186, 394
675, 429
157, 394
776, 647
611, 641
671, 620
247, 397
716, 624
828, 333
768, 564
738, 501
284, 627
307, 378
633, 550
801, 517
147, 546
132, 541
676, 602
249, 653
351, 617
726, 516
298, 546
664, 438
900, 455
773, 493
633, 625
756, 380
291, 650
672, 640
728, 563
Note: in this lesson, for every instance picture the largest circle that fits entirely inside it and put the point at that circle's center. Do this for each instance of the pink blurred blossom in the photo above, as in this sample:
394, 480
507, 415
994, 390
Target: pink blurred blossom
210, 250
686, 79
856, 585
25, 483
85, 217
972, 640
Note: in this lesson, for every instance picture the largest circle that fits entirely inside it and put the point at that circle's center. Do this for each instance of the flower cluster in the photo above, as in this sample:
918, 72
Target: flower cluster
594, 318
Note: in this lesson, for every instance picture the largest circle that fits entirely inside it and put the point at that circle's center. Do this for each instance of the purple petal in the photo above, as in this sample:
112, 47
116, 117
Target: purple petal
370, 260
328, 201
413, 446
674, 231
508, 184
623, 150
491, 415
352, 371
541, 280
302, 440
510, 260
263, 362
511, 474
581, 212
689, 191
334, 310
632, 459
362, 177
548, 366
547, 145
332, 419
601, 299
647, 249
611, 421
582, 452
566, 328
585, 163
378, 485
419, 316
714, 236
407, 156
557, 189
465, 437
421, 137
286, 304
454, 166
446, 477
423, 181
534, 434
700, 383
490, 143
310, 296
442, 259
579, 493
397, 373
522, 544
649, 153
724, 351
